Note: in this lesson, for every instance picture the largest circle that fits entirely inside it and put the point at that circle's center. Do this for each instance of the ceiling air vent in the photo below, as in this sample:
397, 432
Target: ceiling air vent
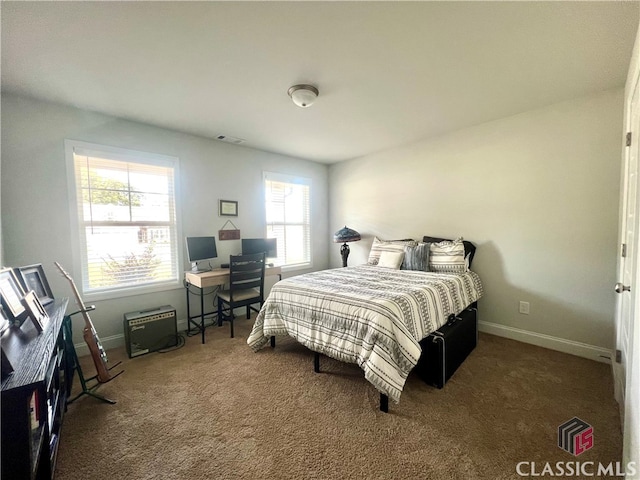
228, 139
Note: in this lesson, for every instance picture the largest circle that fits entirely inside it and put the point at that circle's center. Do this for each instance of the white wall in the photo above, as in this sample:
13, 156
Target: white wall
537, 193
35, 207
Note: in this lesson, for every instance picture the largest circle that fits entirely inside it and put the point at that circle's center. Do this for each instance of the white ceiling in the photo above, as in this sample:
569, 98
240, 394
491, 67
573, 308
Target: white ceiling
389, 73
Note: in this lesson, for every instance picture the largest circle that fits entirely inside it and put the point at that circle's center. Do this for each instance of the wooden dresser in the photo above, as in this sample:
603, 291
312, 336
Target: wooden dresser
34, 396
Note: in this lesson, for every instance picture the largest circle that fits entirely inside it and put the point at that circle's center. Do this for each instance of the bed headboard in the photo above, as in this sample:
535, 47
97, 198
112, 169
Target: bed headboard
469, 248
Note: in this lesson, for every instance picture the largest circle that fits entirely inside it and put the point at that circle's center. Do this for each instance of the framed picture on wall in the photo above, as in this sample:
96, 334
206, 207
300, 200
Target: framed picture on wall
228, 208
12, 292
33, 278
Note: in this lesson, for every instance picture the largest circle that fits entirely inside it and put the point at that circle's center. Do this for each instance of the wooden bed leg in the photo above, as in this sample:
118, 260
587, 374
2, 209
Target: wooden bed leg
273, 341
316, 362
384, 403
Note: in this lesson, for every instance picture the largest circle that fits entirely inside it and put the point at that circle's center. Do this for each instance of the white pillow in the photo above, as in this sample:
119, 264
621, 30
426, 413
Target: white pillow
448, 257
391, 259
380, 246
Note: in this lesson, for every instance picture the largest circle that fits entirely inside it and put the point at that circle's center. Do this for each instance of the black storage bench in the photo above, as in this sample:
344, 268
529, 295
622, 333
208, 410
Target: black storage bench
444, 350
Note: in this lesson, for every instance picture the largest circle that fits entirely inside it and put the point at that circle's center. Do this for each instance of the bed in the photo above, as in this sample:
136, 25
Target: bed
369, 315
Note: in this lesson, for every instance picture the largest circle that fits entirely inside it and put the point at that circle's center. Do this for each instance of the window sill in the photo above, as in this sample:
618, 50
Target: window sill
294, 268
131, 291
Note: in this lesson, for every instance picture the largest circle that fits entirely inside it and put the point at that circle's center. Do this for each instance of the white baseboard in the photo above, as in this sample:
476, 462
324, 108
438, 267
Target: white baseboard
115, 341
619, 382
591, 352
108, 343
547, 341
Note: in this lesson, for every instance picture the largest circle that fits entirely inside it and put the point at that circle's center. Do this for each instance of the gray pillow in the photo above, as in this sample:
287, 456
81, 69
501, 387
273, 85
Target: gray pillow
417, 257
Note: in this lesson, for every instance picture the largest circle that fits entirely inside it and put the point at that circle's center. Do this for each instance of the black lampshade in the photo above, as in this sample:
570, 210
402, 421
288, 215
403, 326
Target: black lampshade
345, 235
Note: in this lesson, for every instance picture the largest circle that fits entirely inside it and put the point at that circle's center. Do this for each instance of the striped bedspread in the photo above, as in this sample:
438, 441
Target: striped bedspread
367, 315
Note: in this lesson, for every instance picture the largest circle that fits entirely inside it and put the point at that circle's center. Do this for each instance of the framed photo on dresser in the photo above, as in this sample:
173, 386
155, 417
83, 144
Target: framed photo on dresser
4, 321
35, 310
33, 278
12, 292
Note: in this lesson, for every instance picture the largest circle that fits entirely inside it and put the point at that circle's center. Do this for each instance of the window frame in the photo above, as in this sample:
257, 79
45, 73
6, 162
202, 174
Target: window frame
78, 246
296, 180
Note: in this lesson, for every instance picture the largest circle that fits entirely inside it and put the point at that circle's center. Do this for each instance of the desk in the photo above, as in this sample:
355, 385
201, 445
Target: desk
213, 278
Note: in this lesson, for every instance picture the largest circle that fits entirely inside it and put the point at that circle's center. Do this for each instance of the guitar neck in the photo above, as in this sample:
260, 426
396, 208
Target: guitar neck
76, 294
90, 336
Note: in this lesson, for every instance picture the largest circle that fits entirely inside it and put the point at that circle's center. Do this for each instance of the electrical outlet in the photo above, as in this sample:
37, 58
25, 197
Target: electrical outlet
524, 308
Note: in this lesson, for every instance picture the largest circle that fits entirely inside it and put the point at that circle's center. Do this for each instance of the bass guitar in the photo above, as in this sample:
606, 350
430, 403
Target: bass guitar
90, 336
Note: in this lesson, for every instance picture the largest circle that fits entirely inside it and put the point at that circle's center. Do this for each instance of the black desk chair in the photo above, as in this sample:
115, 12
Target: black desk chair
246, 286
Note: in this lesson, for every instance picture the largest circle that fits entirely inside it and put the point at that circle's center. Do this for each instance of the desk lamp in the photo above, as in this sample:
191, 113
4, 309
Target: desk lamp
343, 236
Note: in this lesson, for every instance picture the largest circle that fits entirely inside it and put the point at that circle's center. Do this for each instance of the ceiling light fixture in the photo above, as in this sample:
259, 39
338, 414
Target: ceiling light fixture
303, 95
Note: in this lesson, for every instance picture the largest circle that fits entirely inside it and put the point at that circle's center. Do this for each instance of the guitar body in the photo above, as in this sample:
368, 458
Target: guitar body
89, 334
98, 354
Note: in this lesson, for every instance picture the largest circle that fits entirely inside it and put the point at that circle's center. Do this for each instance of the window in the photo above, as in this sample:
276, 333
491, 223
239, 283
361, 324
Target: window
125, 206
287, 201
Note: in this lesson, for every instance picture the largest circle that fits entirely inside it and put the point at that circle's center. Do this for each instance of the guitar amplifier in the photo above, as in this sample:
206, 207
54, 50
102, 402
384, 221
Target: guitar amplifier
150, 330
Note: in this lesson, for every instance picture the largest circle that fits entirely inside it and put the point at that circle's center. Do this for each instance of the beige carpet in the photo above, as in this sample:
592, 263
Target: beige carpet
221, 411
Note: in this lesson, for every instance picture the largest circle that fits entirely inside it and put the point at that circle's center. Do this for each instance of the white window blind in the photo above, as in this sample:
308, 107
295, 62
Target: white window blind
126, 219
288, 214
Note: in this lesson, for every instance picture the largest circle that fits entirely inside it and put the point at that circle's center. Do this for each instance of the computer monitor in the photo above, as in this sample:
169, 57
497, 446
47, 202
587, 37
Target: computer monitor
201, 248
259, 245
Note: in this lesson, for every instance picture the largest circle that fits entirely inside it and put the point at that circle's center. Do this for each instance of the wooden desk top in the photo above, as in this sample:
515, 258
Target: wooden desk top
219, 276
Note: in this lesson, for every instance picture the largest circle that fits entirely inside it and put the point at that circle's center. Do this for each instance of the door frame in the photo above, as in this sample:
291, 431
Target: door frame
627, 376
